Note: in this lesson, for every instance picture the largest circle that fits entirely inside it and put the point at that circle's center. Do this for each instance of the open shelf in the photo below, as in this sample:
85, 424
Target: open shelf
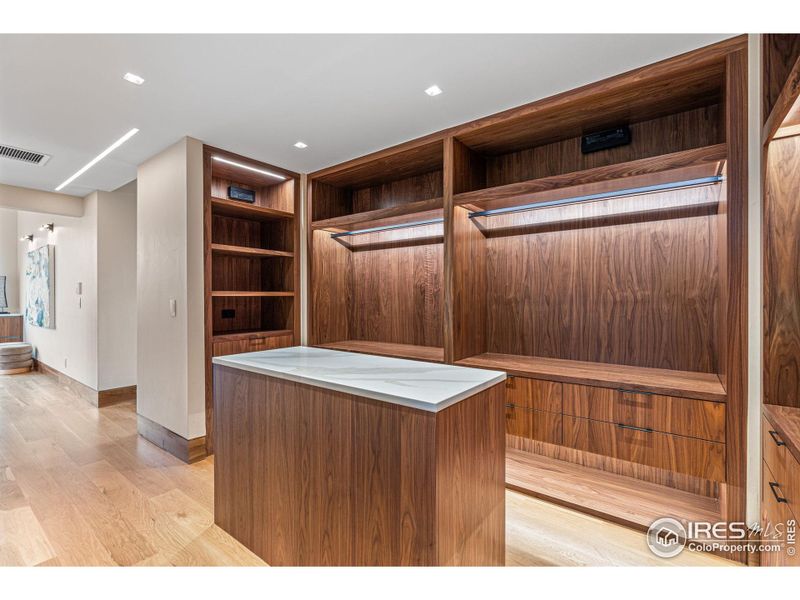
624, 500
684, 165
391, 216
235, 208
702, 386
232, 294
247, 334
426, 353
784, 117
227, 250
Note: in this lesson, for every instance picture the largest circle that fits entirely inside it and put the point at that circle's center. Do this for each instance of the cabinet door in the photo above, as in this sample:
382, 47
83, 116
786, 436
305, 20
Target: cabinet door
775, 513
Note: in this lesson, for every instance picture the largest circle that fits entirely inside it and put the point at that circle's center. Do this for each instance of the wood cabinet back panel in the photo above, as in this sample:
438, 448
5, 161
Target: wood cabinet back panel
782, 277
639, 294
279, 196
534, 393
682, 416
672, 133
403, 191
672, 452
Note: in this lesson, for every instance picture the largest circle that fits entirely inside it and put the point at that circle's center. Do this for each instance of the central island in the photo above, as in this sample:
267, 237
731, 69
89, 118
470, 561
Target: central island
335, 458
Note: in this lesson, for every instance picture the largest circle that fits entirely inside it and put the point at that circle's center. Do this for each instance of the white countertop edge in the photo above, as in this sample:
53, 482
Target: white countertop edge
372, 395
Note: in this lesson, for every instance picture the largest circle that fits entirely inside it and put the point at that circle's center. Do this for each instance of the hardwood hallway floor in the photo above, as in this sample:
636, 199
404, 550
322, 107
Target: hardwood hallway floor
78, 486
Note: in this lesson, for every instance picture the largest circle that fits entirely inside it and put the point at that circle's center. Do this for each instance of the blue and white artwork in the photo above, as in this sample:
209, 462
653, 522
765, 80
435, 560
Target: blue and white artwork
40, 307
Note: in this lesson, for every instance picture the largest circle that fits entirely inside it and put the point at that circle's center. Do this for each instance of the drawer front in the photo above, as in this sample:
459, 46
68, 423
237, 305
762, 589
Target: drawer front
251, 345
534, 393
691, 456
782, 465
668, 414
533, 424
776, 513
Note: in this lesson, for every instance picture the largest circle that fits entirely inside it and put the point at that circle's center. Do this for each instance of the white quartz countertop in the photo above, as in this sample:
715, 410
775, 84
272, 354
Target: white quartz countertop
418, 384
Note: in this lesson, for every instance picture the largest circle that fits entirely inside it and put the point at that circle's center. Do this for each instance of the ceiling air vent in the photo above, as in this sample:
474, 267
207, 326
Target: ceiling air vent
34, 158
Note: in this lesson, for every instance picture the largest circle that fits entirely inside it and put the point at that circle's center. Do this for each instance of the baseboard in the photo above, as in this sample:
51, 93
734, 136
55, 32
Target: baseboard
100, 399
188, 451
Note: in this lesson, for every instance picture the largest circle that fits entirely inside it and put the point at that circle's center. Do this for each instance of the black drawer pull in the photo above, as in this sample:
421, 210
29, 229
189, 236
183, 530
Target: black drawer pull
645, 429
778, 441
622, 391
772, 486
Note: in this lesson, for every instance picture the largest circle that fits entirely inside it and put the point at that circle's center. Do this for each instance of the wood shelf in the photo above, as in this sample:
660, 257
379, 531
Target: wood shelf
233, 208
393, 215
685, 384
676, 166
426, 353
231, 294
624, 500
226, 250
234, 336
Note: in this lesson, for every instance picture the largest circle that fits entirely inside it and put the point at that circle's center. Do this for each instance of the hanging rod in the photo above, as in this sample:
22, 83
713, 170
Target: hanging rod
601, 196
388, 227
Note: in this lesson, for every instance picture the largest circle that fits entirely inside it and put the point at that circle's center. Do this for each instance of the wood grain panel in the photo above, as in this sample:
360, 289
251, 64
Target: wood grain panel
331, 289
779, 52
691, 456
667, 414
782, 274
775, 514
10, 328
399, 191
254, 344
534, 393
786, 420
642, 294
307, 476
426, 353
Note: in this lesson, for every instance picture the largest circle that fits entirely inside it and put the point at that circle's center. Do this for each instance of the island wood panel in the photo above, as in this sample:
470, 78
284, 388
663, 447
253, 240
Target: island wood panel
534, 393
640, 294
668, 134
397, 292
308, 476
782, 278
658, 476
667, 414
691, 456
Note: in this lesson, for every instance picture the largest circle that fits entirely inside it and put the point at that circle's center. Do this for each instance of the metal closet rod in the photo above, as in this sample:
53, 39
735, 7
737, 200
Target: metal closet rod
388, 227
648, 189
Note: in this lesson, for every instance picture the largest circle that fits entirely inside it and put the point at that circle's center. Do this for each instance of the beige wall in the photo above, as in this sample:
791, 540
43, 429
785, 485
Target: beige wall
170, 366
29, 200
9, 241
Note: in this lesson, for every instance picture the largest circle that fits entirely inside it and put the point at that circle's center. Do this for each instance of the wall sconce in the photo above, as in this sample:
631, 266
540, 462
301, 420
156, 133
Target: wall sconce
26, 238
47, 227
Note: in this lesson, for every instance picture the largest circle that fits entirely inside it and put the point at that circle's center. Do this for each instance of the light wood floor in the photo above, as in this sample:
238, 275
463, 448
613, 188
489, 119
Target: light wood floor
78, 486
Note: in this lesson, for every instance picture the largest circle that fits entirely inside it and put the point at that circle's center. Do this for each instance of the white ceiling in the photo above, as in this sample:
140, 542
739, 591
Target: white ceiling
343, 95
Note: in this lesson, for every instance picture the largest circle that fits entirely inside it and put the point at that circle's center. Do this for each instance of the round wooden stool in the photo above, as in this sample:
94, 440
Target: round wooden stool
15, 358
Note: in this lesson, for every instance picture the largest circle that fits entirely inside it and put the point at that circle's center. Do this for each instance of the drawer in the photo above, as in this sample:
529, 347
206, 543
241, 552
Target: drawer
776, 514
783, 466
668, 414
255, 344
691, 456
534, 393
533, 424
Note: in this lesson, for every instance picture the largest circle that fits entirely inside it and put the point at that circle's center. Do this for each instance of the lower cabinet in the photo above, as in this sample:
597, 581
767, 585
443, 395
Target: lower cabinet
251, 344
682, 435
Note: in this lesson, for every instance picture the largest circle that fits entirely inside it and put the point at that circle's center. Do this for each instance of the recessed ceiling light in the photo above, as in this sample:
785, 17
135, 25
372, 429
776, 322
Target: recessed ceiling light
434, 90
248, 167
300, 145
99, 157
135, 79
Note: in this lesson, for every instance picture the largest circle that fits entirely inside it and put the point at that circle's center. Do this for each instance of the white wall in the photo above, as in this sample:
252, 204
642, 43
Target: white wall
9, 241
170, 356
116, 288
72, 346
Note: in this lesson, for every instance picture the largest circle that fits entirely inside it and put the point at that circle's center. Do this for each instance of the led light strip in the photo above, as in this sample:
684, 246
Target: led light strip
248, 168
99, 157
649, 189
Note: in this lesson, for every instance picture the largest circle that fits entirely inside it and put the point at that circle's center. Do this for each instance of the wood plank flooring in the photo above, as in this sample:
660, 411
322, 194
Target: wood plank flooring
78, 486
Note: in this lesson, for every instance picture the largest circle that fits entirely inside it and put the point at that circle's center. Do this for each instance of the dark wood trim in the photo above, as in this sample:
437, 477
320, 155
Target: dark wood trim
189, 451
100, 399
